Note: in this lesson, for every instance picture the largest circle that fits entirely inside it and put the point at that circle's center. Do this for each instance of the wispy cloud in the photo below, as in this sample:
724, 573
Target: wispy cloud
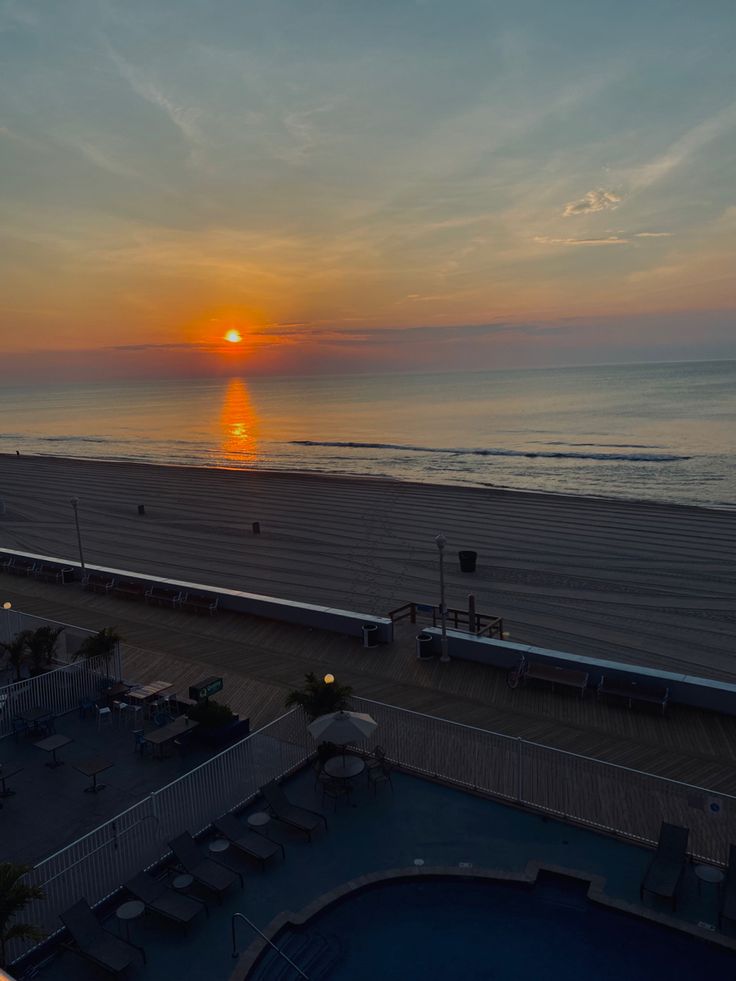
683, 148
652, 234
591, 202
185, 119
609, 240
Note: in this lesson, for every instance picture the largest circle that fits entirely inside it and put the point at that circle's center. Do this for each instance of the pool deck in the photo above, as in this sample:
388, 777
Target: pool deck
50, 807
419, 821
261, 660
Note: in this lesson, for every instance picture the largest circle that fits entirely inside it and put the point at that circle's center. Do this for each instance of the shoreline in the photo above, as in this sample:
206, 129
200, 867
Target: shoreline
376, 478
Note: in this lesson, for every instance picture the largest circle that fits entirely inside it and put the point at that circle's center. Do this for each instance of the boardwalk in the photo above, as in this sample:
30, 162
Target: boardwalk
261, 660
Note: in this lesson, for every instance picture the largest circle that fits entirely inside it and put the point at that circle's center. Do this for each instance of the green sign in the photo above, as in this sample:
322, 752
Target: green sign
203, 690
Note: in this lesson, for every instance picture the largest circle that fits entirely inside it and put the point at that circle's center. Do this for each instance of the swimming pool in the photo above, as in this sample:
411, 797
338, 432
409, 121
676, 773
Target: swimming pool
439, 928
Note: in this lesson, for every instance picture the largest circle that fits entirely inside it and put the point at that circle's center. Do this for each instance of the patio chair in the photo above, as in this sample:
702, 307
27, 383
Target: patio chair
728, 896
97, 944
283, 810
206, 871
141, 745
379, 775
668, 865
20, 726
376, 758
248, 842
87, 707
162, 899
335, 790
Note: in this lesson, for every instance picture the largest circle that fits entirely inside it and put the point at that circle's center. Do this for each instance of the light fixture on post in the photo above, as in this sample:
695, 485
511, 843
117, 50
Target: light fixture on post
75, 504
329, 679
440, 541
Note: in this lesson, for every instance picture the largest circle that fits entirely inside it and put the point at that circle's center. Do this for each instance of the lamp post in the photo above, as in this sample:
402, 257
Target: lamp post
440, 541
75, 504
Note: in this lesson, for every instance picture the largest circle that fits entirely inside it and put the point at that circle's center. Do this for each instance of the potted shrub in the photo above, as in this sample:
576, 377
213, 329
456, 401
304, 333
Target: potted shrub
218, 724
318, 697
14, 897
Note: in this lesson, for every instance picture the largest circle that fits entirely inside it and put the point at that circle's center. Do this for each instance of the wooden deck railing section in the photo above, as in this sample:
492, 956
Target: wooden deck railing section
483, 624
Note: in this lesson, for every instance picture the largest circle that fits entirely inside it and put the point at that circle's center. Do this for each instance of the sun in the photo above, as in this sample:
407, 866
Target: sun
234, 336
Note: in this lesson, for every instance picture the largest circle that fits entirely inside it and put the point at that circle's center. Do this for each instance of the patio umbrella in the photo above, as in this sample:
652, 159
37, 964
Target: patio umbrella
342, 727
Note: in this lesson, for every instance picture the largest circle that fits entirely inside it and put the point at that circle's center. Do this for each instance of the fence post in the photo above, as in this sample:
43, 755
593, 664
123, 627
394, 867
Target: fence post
519, 769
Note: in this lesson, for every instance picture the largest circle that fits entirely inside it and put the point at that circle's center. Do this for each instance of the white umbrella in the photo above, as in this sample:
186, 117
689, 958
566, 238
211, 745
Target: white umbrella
342, 727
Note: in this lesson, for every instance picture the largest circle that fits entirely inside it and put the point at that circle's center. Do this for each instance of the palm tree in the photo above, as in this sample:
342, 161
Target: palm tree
318, 697
102, 644
17, 651
41, 644
14, 897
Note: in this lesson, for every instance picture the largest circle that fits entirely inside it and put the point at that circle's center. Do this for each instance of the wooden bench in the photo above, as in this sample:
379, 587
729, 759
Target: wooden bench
159, 596
551, 674
21, 567
49, 573
97, 584
196, 603
634, 691
129, 590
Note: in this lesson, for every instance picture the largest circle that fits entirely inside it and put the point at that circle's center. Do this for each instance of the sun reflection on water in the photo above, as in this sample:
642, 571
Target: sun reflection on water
238, 424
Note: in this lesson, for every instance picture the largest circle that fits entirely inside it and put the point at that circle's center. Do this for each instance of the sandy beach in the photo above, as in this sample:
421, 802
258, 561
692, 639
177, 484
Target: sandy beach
642, 582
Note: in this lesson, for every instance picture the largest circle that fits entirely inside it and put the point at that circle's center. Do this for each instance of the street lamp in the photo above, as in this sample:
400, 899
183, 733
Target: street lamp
440, 541
75, 504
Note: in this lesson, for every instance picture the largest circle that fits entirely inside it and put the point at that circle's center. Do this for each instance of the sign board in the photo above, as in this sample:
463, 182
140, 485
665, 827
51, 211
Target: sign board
203, 689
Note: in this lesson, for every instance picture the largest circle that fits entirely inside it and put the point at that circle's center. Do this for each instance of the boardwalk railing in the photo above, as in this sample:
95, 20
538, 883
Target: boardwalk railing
97, 864
604, 796
479, 624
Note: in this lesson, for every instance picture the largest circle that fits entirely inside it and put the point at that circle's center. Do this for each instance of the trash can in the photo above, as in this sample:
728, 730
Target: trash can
467, 561
370, 635
424, 646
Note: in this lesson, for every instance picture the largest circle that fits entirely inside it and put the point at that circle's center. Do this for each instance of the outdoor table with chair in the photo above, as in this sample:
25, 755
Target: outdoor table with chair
144, 693
161, 737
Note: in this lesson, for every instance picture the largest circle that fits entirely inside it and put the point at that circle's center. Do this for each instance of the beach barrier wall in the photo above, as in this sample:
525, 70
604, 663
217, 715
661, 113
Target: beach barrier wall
271, 607
703, 693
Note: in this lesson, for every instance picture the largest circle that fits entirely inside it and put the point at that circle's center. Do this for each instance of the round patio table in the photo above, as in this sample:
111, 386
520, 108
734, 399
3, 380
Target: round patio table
128, 912
259, 820
344, 767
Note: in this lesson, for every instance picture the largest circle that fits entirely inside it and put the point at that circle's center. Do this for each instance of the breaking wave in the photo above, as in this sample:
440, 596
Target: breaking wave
532, 454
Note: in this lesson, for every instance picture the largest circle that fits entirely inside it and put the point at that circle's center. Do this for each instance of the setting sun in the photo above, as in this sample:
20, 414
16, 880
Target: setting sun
233, 336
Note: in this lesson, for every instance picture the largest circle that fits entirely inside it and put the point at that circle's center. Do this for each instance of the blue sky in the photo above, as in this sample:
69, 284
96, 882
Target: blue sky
322, 176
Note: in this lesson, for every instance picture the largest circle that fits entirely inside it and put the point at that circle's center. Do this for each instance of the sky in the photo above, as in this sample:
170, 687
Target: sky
357, 186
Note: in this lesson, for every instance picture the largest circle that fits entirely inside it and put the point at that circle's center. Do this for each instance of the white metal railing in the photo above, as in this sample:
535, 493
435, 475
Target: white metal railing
97, 864
605, 796
13, 622
60, 690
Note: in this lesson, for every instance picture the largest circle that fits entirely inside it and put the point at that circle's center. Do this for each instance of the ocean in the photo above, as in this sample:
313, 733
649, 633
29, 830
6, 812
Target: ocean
646, 432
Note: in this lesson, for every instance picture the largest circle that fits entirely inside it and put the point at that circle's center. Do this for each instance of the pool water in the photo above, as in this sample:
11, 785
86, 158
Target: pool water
444, 929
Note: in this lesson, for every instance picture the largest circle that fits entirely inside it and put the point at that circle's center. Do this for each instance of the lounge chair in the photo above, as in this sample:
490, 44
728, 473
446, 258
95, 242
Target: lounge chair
249, 842
283, 810
164, 900
668, 865
95, 943
728, 896
206, 871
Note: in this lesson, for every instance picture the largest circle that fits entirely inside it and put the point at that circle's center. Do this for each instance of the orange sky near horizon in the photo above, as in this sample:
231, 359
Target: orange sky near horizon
398, 187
